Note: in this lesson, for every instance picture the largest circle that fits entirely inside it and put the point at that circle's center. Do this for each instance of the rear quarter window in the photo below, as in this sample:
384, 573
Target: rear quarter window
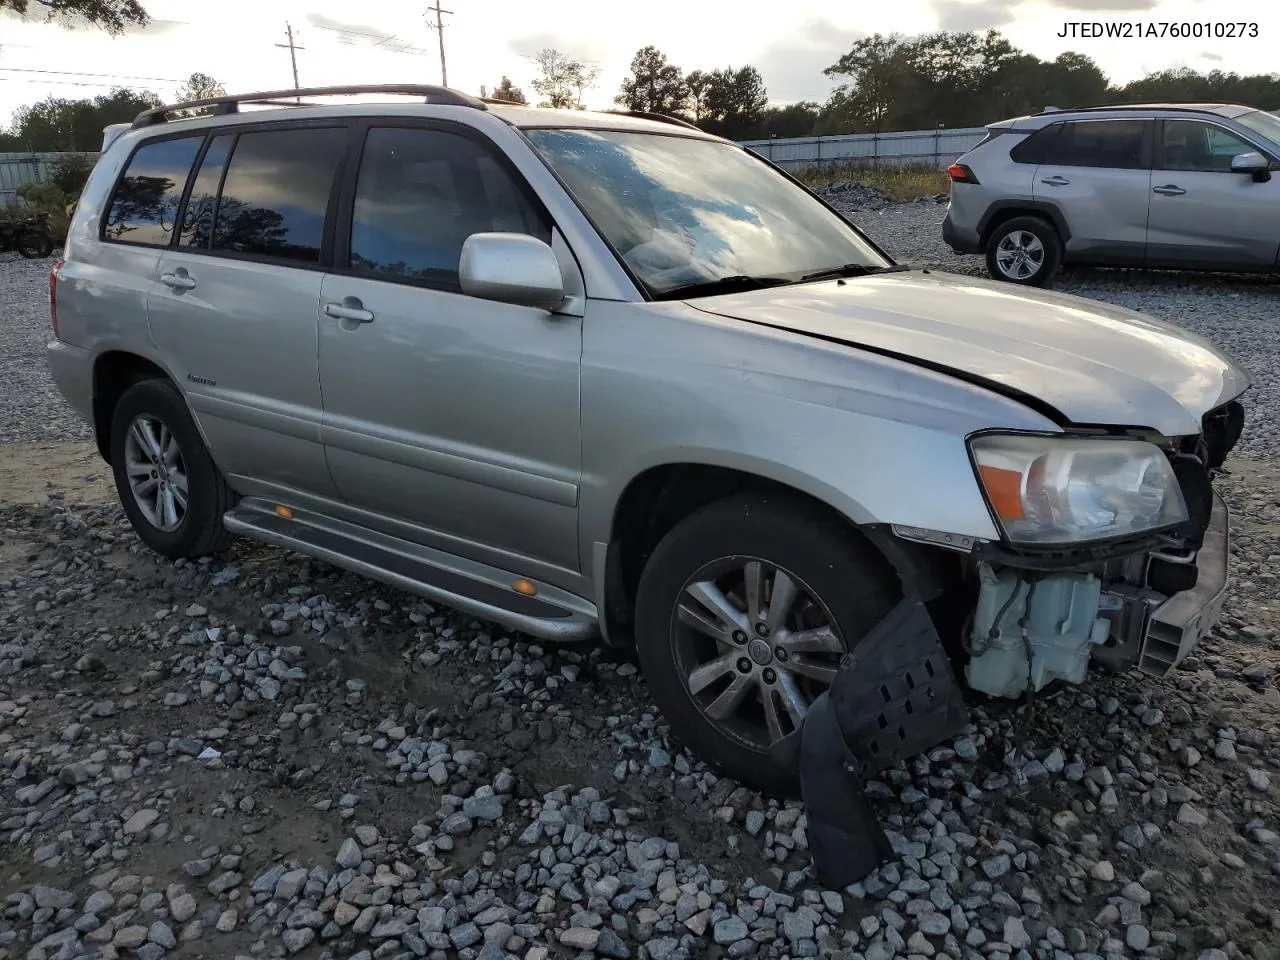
144, 204
1035, 148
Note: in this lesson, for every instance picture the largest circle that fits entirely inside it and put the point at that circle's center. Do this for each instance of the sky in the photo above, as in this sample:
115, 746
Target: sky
385, 41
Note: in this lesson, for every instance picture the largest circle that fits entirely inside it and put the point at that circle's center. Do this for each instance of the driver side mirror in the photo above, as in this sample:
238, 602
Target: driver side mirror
511, 268
1252, 163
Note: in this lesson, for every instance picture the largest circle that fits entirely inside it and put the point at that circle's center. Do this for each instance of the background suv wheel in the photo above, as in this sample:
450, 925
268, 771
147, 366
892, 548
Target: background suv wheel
171, 490
743, 613
1024, 250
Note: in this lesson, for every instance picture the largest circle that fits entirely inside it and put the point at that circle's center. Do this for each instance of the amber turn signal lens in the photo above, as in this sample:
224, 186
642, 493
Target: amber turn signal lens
525, 587
283, 511
1004, 490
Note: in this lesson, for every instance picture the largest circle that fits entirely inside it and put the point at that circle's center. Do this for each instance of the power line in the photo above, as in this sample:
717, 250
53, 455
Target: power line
345, 35
77, 73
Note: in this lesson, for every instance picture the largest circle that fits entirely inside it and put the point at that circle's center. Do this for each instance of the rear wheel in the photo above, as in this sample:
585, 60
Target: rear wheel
1024, 250
171, 489
743, 614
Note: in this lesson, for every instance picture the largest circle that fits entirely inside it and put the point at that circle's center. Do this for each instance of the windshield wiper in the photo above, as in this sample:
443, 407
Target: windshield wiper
853, 270
734, 284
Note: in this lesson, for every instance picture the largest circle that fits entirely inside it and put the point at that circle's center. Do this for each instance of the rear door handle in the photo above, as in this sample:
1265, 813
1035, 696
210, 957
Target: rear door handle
178, 280
349, 309
1055, 181
1169, 190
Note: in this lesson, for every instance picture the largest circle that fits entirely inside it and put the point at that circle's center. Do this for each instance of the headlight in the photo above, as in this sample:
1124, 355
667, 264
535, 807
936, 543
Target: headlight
1068, 489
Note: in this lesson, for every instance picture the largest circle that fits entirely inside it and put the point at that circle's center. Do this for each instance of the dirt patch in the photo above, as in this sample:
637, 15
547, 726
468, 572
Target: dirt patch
34, 473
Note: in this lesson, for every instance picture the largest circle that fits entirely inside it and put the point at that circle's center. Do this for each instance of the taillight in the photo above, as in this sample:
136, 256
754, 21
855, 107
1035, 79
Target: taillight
960, 173
53, 296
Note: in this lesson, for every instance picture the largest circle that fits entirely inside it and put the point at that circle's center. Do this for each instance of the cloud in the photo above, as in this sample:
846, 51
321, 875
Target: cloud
1104, 6
792, 65
959, 15
531, 44
1212, 57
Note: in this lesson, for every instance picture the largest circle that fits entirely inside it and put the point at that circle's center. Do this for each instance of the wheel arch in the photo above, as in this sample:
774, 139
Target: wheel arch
1002, 211
660, 496
115, 371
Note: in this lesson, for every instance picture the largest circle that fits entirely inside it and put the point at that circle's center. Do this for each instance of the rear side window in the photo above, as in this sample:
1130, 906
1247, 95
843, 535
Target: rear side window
197, 219
1099, 143
144, 206
420, 194
276, 193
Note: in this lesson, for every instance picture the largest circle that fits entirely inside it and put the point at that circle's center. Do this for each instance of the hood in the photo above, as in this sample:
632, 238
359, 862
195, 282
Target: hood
1092, 363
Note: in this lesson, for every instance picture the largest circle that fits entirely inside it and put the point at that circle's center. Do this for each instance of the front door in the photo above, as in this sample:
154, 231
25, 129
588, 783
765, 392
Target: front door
236, 305
1204, 215
456, 415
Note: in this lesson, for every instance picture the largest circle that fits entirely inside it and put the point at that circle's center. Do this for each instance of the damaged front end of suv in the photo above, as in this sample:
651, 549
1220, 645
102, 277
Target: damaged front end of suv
1114, 552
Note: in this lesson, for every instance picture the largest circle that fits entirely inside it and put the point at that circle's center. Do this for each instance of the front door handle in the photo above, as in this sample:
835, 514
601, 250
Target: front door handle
178, 280
1055, 181
349, 309
1169, 190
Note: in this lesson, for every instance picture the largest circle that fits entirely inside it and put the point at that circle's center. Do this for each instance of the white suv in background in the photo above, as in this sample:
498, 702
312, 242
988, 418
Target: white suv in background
1163, 185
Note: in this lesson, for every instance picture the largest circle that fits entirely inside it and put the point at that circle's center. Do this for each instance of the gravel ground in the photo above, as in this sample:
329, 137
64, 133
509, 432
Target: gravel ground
260, 756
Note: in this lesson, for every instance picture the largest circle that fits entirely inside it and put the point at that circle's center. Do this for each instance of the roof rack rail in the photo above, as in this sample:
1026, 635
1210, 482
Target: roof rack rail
1192, 106
659, 117
443, 96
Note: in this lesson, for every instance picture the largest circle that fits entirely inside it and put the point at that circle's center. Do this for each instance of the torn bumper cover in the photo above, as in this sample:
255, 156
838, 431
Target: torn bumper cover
894, 696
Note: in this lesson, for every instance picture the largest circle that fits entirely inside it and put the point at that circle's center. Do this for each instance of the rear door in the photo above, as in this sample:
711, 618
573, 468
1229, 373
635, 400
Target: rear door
1202, 214
235, 309
1098, 174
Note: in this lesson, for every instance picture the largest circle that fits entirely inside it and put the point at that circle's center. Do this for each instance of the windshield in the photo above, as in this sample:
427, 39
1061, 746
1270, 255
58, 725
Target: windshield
684, 212
1260, 121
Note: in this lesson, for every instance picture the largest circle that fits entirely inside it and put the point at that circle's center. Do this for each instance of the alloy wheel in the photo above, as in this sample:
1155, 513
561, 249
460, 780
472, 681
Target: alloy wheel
1020, 255
755, 647
157, 473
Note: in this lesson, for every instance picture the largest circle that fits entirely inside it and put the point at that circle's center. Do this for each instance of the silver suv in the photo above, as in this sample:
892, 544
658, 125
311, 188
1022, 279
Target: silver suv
1157, 185
595, 375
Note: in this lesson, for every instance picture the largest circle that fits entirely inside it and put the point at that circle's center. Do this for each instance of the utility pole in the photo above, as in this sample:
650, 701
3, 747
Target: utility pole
438, 26
292, 48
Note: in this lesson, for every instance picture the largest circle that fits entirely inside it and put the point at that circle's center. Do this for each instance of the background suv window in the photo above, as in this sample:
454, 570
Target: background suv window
1193, 145
276, 193
1098, 143
144, 206
420, 194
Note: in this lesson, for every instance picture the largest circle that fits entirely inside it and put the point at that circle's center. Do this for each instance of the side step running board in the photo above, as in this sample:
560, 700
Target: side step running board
540, 610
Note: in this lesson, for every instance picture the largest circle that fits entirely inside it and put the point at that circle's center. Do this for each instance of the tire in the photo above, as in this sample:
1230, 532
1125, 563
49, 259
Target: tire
34, 244
199, 530
853, 586
1037, 238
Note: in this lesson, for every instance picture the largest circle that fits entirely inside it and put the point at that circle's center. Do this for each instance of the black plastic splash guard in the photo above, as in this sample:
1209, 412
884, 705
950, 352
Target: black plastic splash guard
894, 696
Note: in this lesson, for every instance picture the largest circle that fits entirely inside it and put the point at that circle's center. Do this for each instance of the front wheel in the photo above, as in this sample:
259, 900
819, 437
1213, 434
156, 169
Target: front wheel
743, 614
34, 244
1024, 250
171, 489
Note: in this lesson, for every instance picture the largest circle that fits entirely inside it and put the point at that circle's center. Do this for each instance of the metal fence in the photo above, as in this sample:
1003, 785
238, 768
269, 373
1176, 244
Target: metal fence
932, 148
17, 169
925, 148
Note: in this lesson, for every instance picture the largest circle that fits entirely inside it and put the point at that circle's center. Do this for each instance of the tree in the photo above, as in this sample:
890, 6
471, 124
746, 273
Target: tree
697, 85
113, 16
653, 85
734, 102
508, 92
199, 86
56, 125
875, 72
563, 80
